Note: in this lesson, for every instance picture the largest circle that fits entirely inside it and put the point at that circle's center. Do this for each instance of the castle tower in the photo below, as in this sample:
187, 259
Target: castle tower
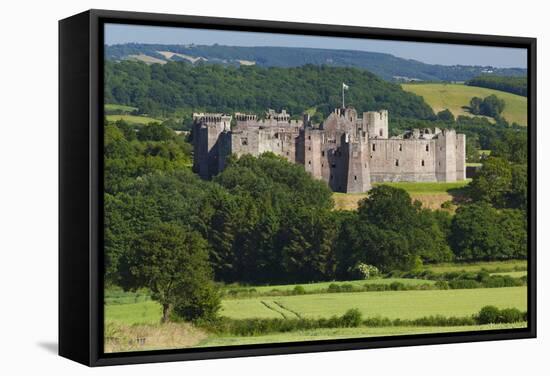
445, 156
243, 120
207, 129
312, 152
376, 123
357, 163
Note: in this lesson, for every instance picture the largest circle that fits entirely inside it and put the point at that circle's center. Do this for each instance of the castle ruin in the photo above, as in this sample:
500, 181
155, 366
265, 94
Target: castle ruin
346, 151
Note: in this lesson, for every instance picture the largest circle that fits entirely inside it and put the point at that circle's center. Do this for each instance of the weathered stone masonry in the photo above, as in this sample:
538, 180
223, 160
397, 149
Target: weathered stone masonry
346, 151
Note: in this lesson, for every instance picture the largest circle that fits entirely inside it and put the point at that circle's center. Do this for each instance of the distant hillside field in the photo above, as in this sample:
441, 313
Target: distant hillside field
133, 119
456, 96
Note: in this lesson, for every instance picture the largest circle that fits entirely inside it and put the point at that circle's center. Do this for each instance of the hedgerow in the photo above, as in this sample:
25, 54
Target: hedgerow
353, 318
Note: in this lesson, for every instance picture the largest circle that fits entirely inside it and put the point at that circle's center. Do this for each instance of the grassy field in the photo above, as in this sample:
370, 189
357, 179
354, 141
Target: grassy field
391, 304
321, 334
133, 119
119, 107
137, 308
490, 266
456, 96
431, 195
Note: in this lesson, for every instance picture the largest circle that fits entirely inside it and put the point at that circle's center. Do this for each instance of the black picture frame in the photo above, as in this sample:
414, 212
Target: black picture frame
80, 186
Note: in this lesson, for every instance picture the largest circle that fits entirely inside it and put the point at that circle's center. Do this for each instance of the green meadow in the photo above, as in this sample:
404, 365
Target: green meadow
431, 195
456, 97
133, 119
119, 107
392, 304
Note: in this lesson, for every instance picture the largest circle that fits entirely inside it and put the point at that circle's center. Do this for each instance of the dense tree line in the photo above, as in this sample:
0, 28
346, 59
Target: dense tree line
515, 85
181, 87
266, 220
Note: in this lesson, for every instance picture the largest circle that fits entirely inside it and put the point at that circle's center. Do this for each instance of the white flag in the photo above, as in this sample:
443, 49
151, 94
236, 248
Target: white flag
344, 86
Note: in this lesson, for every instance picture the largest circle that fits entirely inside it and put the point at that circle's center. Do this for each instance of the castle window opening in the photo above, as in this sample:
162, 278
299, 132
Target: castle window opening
309, 137
380, 132
323, 153
427, 147
400, 147
333, 165
397, 162
309, 163
244, 141
373, 147
355, 177
422, 162
309, 148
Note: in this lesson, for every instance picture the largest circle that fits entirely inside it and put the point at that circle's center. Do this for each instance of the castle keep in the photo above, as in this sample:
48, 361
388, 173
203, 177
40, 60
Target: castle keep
346, 151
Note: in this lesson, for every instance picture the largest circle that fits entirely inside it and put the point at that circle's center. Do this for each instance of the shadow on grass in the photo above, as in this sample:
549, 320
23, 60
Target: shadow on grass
459, 195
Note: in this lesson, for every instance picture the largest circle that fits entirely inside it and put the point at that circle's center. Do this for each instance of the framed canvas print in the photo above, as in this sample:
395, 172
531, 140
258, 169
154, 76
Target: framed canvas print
236, 187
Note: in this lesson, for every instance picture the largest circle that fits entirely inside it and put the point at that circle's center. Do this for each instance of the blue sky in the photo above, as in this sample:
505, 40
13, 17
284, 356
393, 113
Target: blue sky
432, 53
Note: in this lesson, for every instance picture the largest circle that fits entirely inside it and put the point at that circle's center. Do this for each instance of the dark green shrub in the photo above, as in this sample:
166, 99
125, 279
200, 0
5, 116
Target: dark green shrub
376, 287
201, 303
333, 287
298, 290
346, 287
502, 281
397, 286
511, 315
464, 284
483, 276
352, 318
377, 322
442, 285
488, 315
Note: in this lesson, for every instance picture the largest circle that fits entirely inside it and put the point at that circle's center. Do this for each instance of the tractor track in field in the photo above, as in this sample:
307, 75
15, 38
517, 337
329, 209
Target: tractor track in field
273, 309
280, 305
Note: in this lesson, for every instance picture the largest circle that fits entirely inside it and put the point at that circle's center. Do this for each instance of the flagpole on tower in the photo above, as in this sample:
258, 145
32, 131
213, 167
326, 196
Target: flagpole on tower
344, 87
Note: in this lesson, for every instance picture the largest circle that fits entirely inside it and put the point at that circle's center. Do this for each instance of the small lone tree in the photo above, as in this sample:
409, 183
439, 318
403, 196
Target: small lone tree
164, 260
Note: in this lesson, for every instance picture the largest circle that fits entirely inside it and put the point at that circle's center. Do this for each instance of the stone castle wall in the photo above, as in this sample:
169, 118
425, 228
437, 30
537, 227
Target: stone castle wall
347, 152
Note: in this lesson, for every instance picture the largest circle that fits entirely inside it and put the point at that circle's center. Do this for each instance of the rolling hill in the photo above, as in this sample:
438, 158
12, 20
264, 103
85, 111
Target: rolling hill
384, 65
456, 98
